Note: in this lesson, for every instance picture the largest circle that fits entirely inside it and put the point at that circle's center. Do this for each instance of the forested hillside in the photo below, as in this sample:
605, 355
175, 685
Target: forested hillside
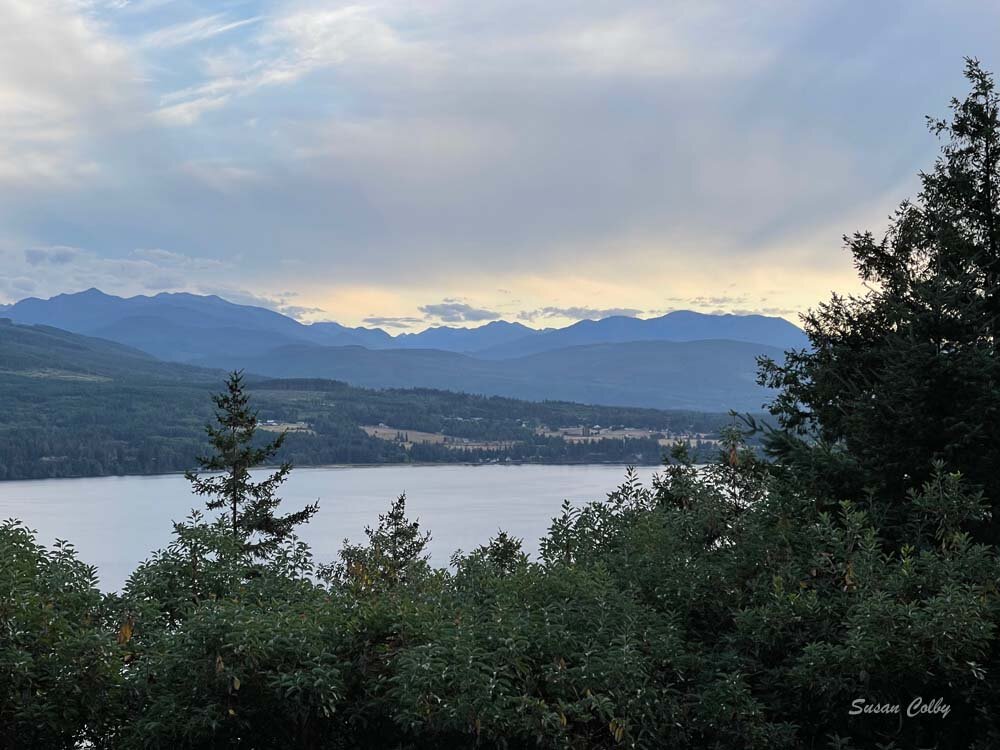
694, 375
78, 406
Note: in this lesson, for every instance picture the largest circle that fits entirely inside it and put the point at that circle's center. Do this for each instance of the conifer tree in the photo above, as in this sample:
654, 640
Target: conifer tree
907, 374
250, 505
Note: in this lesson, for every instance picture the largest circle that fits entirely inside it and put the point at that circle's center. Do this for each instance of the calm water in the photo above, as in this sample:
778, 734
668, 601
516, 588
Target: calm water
114, 522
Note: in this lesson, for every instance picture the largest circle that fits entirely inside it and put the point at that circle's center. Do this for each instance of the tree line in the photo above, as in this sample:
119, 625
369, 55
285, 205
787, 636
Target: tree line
140, 425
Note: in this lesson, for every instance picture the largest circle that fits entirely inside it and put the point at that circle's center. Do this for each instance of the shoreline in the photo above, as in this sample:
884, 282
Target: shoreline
307, 467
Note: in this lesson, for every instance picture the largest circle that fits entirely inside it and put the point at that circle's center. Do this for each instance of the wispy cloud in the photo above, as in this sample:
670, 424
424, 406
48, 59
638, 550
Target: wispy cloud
299, 312
198, 30
451, 311
578, 313
393, 322
51, 256
726, 304
716, 301
286, 49
190, 111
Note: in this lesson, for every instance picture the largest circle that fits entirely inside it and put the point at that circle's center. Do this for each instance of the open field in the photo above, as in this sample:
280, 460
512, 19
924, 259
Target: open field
408, 438
573, 435
58, 375
274, 426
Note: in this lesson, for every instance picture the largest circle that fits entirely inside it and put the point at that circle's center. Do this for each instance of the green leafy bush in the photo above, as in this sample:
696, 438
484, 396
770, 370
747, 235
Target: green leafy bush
58, 656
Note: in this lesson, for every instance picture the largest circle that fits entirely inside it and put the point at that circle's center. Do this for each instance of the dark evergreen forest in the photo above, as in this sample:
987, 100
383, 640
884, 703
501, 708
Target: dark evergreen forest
128, 424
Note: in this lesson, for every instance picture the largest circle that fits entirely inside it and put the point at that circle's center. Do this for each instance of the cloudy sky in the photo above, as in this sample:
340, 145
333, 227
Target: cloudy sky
407, 162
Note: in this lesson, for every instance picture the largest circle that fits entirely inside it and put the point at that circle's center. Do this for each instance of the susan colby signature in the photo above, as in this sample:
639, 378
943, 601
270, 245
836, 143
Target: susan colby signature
917, 707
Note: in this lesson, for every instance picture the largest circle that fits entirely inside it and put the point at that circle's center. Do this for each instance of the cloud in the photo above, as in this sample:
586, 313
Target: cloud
279, 302
57, 269
17, 287
287, 49
51, 256
742, 304
458, 312
578, 313
65, 85
640, 41
198, 30
160, 256
299, 312
575, 152
168, 260
162, 283
703, 301
220, 176
391, 322
319, 37
189, 112
780, 312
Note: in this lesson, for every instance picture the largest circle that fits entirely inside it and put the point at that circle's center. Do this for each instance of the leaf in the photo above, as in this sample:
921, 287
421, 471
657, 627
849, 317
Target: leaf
236, 683
125, 631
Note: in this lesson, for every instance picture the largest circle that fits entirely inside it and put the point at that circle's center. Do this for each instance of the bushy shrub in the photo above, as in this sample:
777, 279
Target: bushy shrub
59, 662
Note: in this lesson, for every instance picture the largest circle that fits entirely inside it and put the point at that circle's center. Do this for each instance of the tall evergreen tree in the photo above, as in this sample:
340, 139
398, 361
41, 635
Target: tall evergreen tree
251, 505
909, 372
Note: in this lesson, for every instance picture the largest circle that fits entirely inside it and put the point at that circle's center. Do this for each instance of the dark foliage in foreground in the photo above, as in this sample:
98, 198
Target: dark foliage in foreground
717, 609
906, 374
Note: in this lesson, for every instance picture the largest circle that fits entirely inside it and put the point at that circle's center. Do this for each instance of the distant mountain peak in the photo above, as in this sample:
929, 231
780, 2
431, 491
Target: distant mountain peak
183, 326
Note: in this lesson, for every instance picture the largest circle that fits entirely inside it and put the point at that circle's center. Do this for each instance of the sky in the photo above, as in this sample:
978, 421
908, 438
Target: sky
406, 163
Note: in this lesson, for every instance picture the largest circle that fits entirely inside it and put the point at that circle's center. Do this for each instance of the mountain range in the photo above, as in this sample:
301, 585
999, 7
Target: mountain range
74, 405
682, 359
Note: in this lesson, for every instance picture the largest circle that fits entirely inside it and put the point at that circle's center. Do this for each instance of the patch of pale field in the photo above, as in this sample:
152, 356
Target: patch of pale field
409, 436
414, 437
287, 427
58, 375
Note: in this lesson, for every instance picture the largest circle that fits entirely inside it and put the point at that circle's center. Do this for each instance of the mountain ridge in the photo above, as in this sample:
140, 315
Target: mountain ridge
181, 326
702, 375
714, 375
